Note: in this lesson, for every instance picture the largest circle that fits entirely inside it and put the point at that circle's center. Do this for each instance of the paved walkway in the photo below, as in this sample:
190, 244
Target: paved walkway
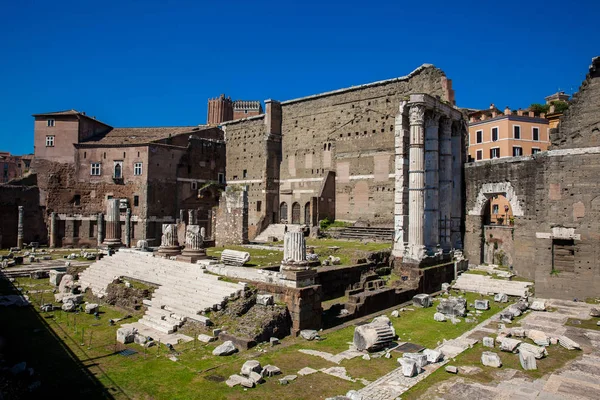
393, 384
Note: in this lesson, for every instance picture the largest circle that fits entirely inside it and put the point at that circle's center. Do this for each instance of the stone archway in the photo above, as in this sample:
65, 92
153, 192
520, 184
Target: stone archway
488, 190
295, 213
283, 213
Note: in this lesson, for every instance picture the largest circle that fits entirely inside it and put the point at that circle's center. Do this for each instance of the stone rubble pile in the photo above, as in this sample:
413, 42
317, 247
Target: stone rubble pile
252, 374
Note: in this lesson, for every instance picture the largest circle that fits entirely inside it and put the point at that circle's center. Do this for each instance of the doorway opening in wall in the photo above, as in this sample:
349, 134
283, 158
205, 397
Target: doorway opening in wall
283, 212
296, 213
307, 214
563, 256
497, 225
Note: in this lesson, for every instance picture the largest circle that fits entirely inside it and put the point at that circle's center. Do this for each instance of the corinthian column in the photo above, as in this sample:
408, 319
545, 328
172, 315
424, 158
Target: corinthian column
100, 228
113, 224
128, 228
416, 184
446, 183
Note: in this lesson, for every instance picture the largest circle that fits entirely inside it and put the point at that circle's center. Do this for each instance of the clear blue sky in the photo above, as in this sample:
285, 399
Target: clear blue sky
155, 63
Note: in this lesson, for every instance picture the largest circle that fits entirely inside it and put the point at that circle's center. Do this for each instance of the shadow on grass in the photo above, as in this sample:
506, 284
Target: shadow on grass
27, 336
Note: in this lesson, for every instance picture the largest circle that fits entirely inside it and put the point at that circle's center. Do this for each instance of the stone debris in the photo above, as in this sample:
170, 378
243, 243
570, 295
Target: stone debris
568, 343
91, 308
126, 335
256, 377
309, 334
453, 306
234, 257
422, 300
439, 317
306, 371
69, 306
433, 356
273, 341
490, 359
488, 342
287, 379
56, 277
520, 332
455, 320
514, 311
409, 367
206, 338
225, 349
509, 345
538, 337
482, 305
538, 305
374, 335
537, 351
595, 312
522, 305
451, 369
264, 299
250, 366
527, 360
446, 287
235, 380
420, 359
395, 314
366, 357
354, 395
270, 370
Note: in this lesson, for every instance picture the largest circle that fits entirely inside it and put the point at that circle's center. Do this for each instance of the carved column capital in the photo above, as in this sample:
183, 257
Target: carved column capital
417, 114
433, 120
446, 126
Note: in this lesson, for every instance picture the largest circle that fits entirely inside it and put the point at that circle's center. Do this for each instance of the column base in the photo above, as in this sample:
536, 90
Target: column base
192, 256
112, 243
169, 251
299, 277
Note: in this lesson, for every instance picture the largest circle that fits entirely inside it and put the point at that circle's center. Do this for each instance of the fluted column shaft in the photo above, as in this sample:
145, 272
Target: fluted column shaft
446, 183
432, 182
294, 247
100, 228
416, 182
113, 223
128, 228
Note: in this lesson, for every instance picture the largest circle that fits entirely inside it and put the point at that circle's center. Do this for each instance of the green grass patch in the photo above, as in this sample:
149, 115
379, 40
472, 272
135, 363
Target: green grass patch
584, 323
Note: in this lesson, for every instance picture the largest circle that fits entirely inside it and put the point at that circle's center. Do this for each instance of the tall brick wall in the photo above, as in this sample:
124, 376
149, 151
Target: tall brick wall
34, 229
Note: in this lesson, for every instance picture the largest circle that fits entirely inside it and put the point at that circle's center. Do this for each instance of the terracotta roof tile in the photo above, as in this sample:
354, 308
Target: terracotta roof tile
141, 135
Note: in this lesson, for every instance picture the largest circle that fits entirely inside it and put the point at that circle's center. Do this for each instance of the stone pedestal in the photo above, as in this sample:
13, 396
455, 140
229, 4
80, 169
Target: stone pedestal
169, 246
113, 225
194, 245
20, 228
294, 266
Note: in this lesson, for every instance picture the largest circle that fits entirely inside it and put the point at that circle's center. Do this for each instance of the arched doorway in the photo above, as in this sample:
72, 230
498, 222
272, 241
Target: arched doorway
283, 213
307, 214
498, 232
295, 213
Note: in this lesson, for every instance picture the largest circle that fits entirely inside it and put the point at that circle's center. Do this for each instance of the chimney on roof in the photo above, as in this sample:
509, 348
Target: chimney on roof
520, 112
471, 118
531, 114
543, 115
492, 106
507, 111
83, 113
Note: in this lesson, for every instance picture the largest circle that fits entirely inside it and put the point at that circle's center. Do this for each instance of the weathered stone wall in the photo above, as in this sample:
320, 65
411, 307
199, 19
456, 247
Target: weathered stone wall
350, 131
232, 217
498, 245
34, 230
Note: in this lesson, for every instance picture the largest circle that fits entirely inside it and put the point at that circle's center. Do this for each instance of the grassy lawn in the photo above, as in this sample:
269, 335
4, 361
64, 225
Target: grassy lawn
348, 251
584, 323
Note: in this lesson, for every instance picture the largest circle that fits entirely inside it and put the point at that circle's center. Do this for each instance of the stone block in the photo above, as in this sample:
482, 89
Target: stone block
527, 360
309, 334
91, 308
453, 306
409, 367
451, 369
395, 314
225, 349
250, 366
538, 305
126, 335
270, 370
488, 342
420, 359
273, 341
56, 277
594, 312
264, 299
374, 335
490, 359
509, 345
69, 306
537, 351
568, 343
482, 304
256, 377
439, 317
433, 356
287, 379
422, 300
206, 338
501, 298
446, 287
538, 337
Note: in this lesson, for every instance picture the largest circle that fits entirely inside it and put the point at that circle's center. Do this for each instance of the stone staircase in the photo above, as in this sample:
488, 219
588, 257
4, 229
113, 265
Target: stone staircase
185, 290
273, 230
485, 285
369, 233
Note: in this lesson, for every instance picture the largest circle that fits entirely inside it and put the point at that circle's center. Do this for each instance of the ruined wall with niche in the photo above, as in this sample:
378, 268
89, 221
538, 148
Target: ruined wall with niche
34, 228
554, 197
349, 131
